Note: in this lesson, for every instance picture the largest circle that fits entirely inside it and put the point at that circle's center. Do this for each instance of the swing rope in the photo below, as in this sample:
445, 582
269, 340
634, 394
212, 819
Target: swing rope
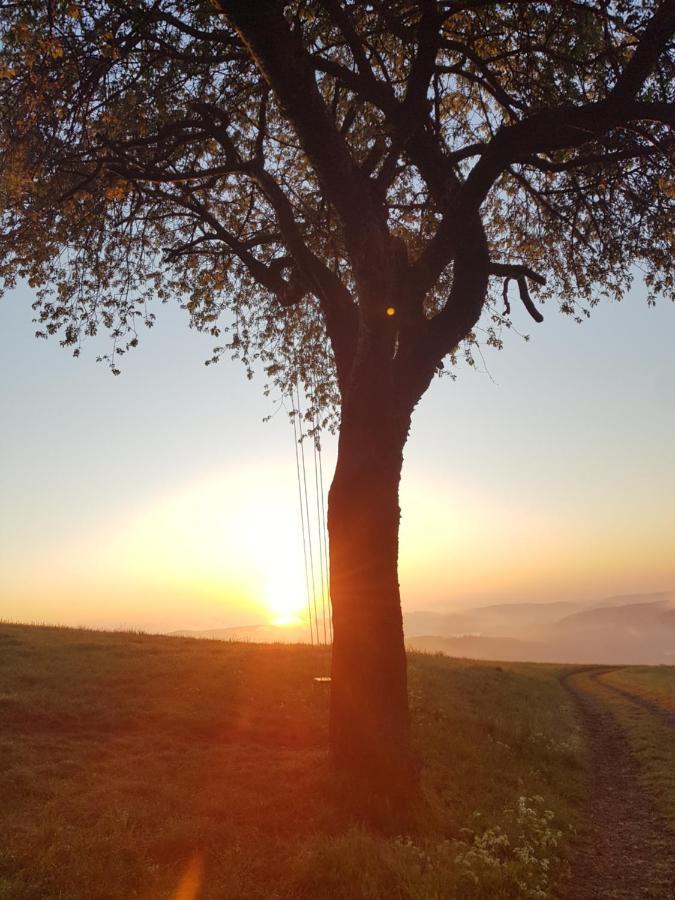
309, 528
302, 523
320, 538
314, 582
323, 520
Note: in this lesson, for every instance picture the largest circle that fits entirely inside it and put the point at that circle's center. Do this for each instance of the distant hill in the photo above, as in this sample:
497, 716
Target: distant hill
636, 629
641, 615
256, 633
632, 628
535, 612
624, 599
641, 630
495, 619
483, 648
260, 633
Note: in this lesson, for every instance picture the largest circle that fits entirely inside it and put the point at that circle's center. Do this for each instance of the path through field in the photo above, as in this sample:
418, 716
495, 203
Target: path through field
627, 851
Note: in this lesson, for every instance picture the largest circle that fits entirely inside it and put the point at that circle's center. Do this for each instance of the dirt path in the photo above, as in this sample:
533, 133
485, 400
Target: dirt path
627, 851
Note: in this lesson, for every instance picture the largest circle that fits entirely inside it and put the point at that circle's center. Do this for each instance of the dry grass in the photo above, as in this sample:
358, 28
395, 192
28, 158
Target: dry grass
126, 758
653, 684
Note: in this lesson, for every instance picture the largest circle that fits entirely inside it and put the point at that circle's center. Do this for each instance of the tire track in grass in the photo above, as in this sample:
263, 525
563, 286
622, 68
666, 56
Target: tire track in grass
626, 850
665, 715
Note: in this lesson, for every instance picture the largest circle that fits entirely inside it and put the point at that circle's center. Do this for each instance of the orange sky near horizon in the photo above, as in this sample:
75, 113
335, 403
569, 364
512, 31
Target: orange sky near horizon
226, 549
160, 500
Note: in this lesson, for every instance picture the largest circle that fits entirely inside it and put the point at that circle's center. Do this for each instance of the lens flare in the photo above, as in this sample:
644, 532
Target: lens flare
190, 883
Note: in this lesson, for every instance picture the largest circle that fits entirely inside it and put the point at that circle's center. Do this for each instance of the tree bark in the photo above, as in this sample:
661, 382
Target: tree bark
369, 717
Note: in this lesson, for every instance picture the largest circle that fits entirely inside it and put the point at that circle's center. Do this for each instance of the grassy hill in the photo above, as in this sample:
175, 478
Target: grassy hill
138, 766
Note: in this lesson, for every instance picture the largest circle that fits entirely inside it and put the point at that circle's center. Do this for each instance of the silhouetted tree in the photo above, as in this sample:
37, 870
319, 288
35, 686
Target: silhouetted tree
346, 186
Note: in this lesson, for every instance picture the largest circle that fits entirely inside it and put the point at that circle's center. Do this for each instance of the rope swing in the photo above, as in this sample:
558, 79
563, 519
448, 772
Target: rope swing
312, 524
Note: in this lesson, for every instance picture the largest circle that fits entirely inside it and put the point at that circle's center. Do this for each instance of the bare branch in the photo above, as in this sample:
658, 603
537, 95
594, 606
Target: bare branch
527, 300
515, 270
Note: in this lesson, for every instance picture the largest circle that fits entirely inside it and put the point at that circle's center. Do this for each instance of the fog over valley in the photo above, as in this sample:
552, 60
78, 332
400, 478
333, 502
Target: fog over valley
630, 628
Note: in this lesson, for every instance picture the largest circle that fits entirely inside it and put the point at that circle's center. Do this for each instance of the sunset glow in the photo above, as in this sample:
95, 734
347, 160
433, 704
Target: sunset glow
285, 592
285, 602
214, 539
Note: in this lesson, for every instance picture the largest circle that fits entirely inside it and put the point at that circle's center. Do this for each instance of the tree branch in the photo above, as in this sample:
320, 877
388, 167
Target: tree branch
279, 53
515, 270
568, 127
658, 32
527, 300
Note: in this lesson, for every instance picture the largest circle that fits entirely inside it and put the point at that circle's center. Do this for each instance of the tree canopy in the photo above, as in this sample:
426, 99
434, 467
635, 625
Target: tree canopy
302, 173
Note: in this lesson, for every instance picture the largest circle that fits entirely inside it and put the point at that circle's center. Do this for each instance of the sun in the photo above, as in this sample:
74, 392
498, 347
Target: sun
285, 599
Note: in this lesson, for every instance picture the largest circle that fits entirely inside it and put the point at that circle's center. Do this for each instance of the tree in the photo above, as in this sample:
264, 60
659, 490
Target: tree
347, 186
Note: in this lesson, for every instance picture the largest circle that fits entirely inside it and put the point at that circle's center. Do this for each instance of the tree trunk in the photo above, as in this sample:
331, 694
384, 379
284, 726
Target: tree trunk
369, 717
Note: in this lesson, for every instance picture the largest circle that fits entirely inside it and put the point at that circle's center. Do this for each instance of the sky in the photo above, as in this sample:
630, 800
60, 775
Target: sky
159, 499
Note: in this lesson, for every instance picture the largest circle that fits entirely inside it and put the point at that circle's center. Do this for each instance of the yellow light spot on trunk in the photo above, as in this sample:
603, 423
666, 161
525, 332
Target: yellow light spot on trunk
188, 888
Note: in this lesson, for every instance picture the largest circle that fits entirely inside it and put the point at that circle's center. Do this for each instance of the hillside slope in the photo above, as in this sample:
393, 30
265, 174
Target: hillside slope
131, 764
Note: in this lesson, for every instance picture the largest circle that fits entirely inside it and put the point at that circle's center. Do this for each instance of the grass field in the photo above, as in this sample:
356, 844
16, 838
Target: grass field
653, 684
132, 764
